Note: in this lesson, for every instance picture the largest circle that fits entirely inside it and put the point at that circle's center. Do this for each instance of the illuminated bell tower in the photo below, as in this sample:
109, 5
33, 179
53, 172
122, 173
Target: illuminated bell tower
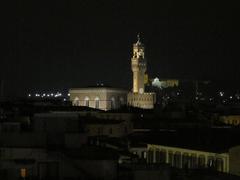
139, 66
138, 97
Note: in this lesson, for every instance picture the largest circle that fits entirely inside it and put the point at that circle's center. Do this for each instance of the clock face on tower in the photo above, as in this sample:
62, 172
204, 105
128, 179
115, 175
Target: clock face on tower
141, 90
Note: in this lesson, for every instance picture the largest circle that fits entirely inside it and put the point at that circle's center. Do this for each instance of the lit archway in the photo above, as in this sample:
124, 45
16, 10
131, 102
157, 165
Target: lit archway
113, 103
150, 156
201, 161
177, 159
97, 102
121, 100
86, 101
219, 164
76, 101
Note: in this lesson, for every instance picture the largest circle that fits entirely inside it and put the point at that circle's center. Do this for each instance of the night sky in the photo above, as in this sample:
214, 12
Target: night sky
55, 45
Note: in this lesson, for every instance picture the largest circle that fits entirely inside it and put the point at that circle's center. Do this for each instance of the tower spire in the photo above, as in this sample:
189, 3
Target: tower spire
138, 37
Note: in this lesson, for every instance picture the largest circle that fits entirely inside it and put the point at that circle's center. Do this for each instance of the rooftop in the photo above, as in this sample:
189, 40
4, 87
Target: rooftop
215, 140
98, 88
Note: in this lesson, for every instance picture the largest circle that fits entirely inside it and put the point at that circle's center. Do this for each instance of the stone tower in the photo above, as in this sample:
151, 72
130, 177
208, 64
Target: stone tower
139, 66
138, 97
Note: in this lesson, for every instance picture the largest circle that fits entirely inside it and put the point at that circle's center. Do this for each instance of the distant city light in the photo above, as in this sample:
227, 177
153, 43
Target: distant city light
58, 94
47, 95
221, 93
237, 96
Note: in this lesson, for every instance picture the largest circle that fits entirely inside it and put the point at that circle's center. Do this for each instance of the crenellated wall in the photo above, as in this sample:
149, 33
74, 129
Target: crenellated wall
144, 101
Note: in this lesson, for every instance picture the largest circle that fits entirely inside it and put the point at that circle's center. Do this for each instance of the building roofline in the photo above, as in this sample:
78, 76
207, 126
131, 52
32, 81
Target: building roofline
98, 89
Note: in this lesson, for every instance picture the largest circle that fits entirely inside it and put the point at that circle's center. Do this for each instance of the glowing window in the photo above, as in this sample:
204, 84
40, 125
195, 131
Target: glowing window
23, 173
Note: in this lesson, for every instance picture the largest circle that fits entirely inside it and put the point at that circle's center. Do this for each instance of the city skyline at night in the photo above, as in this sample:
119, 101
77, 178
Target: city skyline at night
72, 44
120, 90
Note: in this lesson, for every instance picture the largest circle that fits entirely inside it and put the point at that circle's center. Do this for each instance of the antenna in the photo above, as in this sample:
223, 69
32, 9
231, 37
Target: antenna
138, 37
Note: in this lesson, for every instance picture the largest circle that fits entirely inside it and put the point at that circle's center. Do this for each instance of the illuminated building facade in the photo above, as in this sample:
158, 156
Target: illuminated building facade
226, 161
138, 97
165, 83
98, 97
230, 120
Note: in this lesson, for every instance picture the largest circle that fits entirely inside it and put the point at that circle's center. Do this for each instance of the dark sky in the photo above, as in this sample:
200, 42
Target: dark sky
55, 45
